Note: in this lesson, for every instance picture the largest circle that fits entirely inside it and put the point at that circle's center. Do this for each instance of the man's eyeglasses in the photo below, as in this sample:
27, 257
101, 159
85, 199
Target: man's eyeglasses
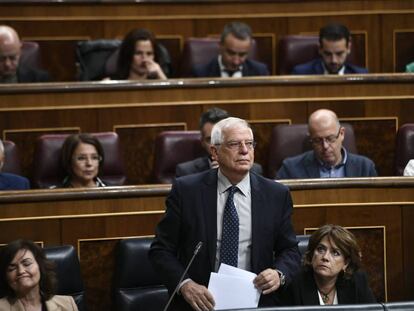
236, 145
328, 139
84, 159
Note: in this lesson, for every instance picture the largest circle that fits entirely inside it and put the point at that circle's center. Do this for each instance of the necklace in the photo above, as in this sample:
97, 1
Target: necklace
325, 296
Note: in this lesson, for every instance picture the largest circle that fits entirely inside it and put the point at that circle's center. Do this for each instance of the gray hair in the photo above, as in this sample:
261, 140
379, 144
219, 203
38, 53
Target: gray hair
231, 122
240, 30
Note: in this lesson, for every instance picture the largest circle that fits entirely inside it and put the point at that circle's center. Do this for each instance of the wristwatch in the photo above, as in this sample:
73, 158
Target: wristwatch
282, 277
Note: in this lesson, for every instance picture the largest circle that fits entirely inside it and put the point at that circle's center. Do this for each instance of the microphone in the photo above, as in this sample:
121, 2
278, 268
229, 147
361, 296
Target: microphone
196, 251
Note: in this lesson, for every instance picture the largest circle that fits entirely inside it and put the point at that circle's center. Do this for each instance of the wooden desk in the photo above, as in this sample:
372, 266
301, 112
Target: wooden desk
384, 28
374, 104
380, 211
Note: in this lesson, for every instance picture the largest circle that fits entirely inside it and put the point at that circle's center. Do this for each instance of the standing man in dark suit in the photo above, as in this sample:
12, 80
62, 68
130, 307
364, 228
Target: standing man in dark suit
334, 47
242, 219
11, 69
207, 121
232, 61
328, 157
11, 181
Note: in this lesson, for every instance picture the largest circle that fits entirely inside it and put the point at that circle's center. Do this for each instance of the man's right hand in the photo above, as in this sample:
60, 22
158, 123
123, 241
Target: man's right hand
197, 296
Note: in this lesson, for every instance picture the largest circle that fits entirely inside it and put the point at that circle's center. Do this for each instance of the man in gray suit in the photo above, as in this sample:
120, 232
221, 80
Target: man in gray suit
207, 121
328, 157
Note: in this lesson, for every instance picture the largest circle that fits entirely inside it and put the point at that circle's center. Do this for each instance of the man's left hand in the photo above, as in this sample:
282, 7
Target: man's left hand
268, 281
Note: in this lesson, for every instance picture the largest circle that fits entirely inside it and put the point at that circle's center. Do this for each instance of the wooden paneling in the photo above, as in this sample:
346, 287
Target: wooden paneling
375, 104
58, 57
266, 44
390, 26
403, 49
407, 242
261, 130
375, 138
377, 19
359, 47
174, 45
380, 209
138, 147
97, 256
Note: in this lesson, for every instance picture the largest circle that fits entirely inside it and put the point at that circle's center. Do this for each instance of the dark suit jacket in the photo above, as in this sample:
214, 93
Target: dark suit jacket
212, 69
191, 216
13, 182
202, 164
28, 75
305, 165
315, 67
302, 291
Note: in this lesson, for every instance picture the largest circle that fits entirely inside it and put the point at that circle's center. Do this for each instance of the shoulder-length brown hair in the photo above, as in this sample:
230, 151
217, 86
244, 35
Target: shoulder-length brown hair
343, 239
69, 146
127, 50
47, 283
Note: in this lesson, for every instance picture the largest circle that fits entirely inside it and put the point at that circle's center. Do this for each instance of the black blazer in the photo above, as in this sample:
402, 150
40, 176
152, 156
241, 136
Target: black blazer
202, 164
212, 69
302, 291
191, 216
315, 67
29, 75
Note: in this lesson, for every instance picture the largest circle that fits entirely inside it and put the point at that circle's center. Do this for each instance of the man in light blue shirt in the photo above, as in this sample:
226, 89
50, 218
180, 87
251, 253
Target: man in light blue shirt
328, 157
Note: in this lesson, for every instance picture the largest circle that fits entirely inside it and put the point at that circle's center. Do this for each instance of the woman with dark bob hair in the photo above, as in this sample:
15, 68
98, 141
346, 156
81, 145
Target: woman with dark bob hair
82, 160
331, 271
28, 280
138, 57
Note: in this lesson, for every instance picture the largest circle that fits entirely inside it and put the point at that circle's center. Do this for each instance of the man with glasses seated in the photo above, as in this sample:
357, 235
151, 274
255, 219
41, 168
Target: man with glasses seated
328, 157
232, 61
11, 69
207, 121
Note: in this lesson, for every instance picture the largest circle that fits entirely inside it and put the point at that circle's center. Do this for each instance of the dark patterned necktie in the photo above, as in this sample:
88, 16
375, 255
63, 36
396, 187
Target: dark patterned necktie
230, 231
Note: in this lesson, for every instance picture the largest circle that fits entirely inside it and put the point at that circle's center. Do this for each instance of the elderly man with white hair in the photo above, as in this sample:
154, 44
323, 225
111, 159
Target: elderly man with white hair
242, 219
11, 181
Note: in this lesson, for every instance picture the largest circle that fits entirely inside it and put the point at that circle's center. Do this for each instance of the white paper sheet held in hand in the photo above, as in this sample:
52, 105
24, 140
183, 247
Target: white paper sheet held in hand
233, 288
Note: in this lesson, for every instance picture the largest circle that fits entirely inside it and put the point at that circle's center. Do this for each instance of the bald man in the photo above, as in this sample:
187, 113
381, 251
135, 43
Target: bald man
328, 157
11, 69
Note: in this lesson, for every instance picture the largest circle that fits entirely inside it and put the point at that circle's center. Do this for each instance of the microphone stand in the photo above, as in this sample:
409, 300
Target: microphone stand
196, 251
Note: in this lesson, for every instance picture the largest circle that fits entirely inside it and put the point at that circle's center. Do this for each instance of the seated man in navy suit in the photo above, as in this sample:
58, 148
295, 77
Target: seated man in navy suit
11, 181
11, 69
328, 158
232, 61
207, 121
334, 48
